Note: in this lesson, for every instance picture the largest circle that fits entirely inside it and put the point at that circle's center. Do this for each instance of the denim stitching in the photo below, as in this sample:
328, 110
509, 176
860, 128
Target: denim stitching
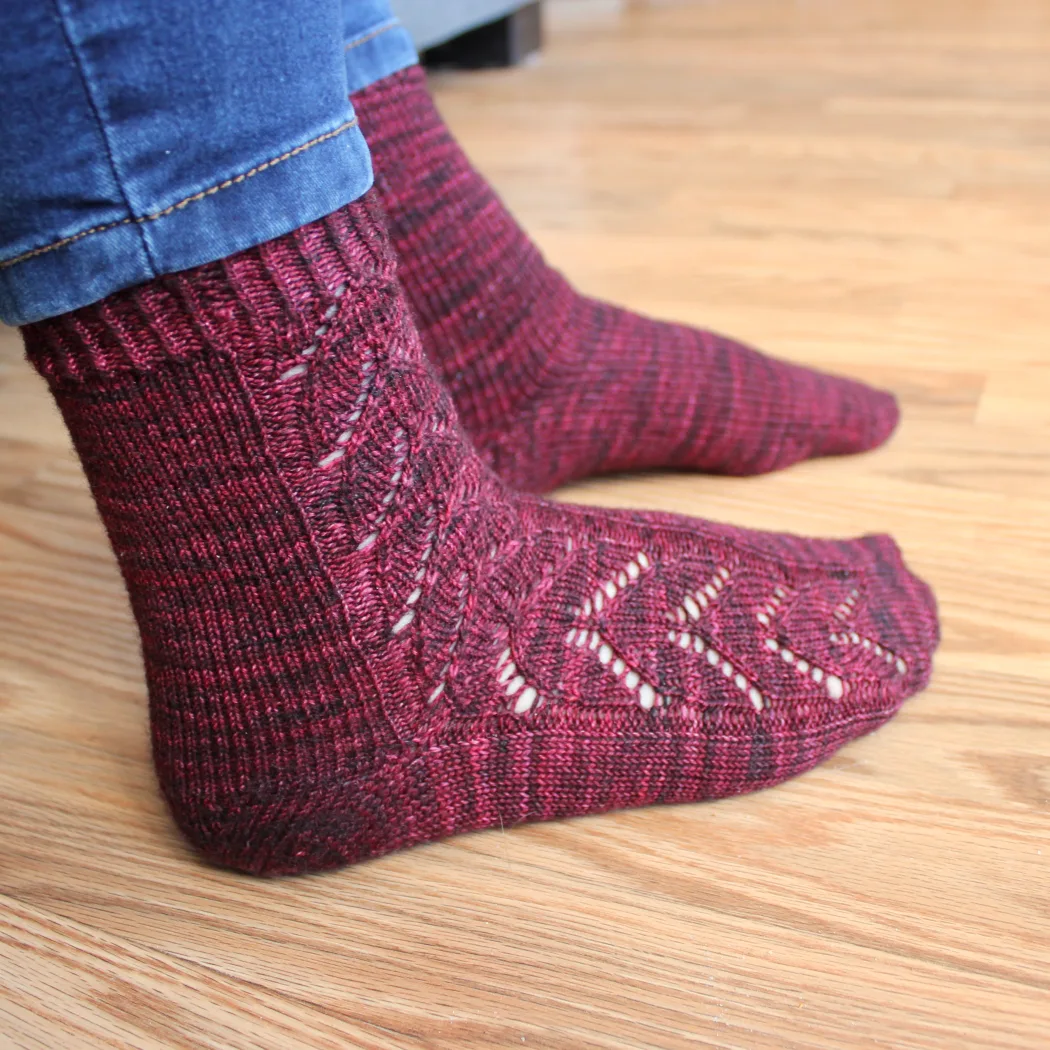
186, 200
392, 24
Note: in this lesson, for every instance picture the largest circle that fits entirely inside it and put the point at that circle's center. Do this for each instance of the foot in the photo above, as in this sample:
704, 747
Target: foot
356, 638
552, 385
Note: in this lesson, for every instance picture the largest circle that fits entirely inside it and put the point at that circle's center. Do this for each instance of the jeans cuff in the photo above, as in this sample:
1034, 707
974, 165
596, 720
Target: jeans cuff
275, 197
381, 50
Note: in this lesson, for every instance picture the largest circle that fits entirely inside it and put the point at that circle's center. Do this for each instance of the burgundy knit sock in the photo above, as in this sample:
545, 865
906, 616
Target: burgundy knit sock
356, 638
553, 385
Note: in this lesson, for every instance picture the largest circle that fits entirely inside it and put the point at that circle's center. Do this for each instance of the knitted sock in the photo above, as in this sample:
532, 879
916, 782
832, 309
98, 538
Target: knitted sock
553, 385
356, 638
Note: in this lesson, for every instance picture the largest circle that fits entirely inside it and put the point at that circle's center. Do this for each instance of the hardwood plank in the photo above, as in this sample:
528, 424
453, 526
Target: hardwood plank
62, 984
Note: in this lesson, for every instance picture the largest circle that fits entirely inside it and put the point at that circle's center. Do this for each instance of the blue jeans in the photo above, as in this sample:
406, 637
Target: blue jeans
142, 137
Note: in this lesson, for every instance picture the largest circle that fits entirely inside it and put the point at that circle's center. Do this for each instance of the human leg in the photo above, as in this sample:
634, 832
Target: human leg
356, 638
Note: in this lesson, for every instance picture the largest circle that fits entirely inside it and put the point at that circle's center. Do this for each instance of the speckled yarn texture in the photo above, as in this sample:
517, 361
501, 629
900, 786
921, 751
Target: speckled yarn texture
356, 638
553, 385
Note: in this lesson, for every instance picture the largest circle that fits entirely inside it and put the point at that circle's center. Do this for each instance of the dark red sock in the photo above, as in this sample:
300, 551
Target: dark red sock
553, 385
356, 638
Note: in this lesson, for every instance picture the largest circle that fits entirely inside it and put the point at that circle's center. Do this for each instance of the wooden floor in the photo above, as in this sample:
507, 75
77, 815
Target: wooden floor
860, 185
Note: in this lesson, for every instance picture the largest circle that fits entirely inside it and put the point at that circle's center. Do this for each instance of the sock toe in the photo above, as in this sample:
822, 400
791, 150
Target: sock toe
909, 620
866, 418
786, 413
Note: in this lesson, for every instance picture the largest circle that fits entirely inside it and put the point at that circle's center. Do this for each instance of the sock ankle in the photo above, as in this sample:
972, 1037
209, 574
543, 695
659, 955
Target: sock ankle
356, 638
553, 385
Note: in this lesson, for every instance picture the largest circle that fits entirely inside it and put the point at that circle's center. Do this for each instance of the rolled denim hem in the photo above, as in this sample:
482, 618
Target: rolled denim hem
383, 49
277, 195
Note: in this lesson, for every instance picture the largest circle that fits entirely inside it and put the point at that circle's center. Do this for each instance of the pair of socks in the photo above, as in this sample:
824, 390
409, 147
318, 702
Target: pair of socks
360, 631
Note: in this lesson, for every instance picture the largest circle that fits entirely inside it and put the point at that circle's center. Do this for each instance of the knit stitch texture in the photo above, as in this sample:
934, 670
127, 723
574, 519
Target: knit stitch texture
356, 638
553, 385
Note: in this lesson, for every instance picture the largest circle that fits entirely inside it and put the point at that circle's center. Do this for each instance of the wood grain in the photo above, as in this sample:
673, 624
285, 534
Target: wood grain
861, 186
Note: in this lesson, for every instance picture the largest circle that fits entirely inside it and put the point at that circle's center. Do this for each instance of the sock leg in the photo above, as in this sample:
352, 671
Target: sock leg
553, 385
356, 638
